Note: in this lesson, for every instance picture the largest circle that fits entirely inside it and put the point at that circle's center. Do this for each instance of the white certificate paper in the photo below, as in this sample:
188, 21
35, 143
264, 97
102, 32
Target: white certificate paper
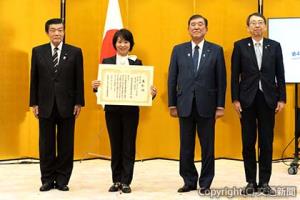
125, 85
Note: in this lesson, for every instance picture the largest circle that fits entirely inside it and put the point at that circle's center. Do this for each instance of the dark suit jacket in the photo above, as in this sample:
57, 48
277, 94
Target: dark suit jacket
64, 87
208, 86
112, 60
245, 74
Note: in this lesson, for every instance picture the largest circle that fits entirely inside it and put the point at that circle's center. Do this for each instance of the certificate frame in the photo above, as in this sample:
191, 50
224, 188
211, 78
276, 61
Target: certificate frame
125, 85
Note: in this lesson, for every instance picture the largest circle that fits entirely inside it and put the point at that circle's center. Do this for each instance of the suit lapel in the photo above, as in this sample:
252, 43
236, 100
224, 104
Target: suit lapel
62, 59
63, 55
204, 56
250, 49
113, 60
188, 54
266, 51
47, 53
131, 62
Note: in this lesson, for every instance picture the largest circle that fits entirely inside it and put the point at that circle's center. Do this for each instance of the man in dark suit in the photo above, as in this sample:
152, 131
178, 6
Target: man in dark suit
196, 91
56, 96
258, 92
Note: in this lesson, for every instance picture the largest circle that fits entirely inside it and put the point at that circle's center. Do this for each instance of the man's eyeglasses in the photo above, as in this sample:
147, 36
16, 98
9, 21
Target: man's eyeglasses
255, 23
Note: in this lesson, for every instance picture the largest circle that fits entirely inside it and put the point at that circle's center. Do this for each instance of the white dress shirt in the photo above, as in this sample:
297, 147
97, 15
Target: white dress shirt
261, 51
58, 51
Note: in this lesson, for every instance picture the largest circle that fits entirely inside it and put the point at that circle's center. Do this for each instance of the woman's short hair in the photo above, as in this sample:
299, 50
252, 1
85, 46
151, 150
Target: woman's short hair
124, 34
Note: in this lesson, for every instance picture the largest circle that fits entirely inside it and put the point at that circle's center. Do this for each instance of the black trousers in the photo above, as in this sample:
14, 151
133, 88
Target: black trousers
205, 129
56, 165
122, 130
259, 117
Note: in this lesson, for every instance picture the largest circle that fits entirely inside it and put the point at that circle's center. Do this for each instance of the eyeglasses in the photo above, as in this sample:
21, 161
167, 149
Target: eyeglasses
255, 23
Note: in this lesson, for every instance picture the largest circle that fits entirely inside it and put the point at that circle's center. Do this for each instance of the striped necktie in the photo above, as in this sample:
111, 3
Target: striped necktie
55, 59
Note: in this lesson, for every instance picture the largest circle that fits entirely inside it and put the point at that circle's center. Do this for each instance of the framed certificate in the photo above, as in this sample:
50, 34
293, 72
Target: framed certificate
125, 85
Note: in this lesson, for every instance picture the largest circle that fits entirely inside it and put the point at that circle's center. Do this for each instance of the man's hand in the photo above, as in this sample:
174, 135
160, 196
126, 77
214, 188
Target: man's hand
173, 112
76, 111
280, 106
219, 113
35, 110
238, 108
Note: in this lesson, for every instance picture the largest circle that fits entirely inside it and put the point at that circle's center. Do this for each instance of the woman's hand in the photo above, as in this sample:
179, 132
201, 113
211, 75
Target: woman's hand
153, 91
96, 84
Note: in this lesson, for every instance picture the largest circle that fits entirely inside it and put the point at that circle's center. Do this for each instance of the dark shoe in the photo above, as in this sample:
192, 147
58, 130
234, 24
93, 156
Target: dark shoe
125, 188
249, 189
204, 191
62, 187
115, 187
46, 187
266, 189
186, 188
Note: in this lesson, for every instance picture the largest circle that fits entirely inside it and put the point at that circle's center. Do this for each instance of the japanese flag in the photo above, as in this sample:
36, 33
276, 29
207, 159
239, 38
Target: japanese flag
113, 23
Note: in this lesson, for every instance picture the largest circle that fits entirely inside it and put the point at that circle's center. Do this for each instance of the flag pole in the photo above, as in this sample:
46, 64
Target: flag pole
260, 7
63, 14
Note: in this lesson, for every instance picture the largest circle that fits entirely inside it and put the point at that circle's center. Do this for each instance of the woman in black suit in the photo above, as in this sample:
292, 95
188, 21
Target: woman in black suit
122, 121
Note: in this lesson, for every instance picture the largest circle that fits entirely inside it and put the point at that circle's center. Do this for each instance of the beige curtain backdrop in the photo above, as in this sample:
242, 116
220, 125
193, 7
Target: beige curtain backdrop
157, 26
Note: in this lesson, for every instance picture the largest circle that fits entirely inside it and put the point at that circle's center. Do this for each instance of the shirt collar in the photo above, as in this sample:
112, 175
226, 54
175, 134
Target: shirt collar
122, 60
59, 46
122, 57
260, 41
200, 45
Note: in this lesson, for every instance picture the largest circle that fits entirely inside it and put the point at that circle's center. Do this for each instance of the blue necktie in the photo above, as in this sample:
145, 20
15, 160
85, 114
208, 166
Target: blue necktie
196, 58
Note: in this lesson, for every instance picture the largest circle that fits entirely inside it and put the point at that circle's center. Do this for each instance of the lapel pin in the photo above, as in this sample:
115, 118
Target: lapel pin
189, 54
203, 55
65, 57
249, 44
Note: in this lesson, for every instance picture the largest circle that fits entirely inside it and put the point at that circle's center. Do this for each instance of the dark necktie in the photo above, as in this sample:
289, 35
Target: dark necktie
196, 58
55, 59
